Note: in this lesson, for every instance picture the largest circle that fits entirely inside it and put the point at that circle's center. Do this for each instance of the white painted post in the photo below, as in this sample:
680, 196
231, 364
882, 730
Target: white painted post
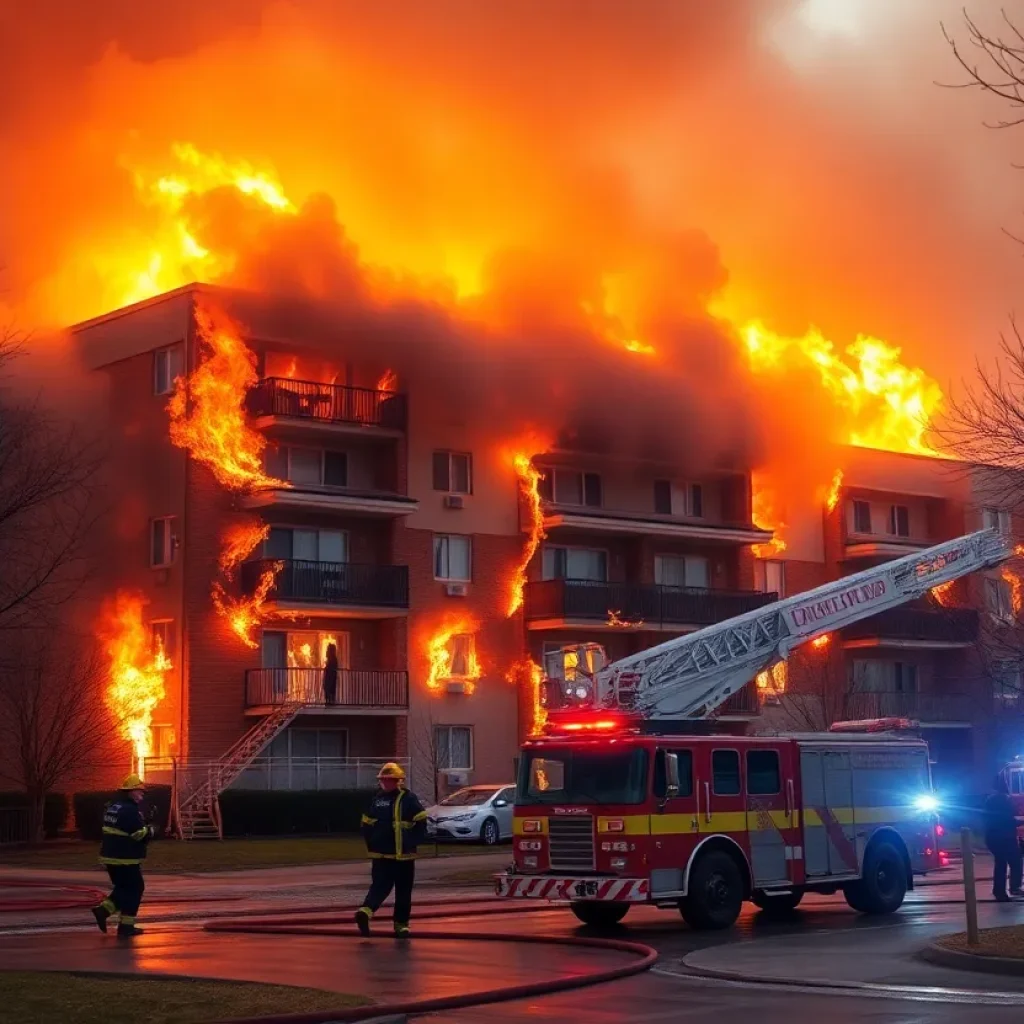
970, 888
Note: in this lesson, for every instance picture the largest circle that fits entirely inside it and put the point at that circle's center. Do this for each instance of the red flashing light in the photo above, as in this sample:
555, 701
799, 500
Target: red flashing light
598, 725
939, 830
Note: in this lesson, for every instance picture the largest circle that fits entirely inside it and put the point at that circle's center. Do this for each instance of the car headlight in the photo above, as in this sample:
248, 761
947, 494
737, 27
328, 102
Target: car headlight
461, 817
926, 803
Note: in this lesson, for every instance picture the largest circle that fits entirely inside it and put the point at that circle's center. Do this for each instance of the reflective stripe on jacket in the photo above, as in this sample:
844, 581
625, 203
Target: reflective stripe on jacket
394, 824
125, 834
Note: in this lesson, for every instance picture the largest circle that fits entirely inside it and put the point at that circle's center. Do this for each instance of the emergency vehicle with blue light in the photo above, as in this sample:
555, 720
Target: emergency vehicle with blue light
627, 796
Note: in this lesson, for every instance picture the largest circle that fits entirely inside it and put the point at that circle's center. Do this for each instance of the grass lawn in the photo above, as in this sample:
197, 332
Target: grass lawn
1006, 942
170, 856
42, 997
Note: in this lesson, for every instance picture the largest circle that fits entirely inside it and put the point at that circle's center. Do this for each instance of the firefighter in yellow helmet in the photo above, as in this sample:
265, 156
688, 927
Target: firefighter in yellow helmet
393, 826
125, 838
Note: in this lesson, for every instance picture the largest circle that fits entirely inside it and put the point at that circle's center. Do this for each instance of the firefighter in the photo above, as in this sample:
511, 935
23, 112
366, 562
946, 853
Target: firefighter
1001, 840
394, 825
125, 838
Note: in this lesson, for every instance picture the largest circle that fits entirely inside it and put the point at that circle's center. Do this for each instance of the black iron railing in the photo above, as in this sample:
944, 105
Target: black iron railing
327, 403
354, 688
926, 707
949, 625
744, 702
633, 603
340, 583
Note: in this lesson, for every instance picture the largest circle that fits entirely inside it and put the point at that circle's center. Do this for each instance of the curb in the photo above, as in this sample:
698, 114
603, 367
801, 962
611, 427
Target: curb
978, 963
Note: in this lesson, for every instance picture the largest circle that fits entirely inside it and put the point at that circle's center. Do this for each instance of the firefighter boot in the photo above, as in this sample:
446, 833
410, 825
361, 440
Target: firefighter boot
126, 928
102, 914
402, 931
363, 915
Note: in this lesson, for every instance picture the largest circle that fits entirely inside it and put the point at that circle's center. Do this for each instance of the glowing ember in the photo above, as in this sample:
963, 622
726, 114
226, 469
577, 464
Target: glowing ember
886, 404
244, 614
529, 483
765, 516
529, 672
833, 492
943, 593
615, 620
208, 410
388, 381
451, 654
773, 680
820, 642
640, 347
239, 543
1016, 588
137, 671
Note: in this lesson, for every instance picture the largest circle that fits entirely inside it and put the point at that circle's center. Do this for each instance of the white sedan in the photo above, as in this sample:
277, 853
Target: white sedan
481, 813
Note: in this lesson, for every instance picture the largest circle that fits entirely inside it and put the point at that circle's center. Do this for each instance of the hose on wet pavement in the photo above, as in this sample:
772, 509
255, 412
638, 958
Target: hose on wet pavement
82, 896
645, 958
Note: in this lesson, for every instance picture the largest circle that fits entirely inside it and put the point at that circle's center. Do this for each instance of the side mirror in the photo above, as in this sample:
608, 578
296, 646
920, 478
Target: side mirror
500, 803
671, 776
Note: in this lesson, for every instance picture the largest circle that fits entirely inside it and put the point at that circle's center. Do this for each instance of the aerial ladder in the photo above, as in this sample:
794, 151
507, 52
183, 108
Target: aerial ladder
691, 676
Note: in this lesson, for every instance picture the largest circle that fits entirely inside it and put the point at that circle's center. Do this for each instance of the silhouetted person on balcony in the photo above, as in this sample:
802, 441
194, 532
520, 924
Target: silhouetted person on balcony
1001, 840
331, 675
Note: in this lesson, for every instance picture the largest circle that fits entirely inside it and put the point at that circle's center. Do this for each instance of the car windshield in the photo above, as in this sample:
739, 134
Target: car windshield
468, 797
583, 777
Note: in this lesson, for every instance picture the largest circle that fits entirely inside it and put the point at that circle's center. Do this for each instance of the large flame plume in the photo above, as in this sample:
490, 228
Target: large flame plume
244, 614
440, 655
239, 541
529, 478
138, 669
529, 674
765, 515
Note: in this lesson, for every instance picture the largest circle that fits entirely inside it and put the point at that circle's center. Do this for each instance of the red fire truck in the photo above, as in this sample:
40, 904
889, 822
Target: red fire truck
628, 796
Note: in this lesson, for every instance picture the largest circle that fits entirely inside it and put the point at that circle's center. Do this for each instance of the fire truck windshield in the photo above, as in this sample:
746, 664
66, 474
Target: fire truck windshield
583, 777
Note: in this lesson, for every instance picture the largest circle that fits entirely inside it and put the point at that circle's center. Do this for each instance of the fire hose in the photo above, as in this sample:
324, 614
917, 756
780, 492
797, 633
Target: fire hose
82, 896
326, 925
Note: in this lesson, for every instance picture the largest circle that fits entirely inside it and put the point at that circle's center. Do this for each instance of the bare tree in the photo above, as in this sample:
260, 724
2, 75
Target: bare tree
53, 722
994, 64
816, 693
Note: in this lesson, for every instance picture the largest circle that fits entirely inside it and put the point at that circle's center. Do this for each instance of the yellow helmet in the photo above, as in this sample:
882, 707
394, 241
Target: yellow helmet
133, 782
391, 771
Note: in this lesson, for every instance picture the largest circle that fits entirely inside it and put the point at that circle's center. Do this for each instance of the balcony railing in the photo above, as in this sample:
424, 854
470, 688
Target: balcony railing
336, 583
327, 403
634, 603
744, 702
950, 625
926, 707
355, 688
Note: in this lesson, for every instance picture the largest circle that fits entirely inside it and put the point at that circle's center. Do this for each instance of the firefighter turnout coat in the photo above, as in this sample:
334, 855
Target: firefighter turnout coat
125, 834
394, 824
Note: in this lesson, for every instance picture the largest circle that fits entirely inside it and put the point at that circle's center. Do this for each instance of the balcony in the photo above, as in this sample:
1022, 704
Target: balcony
869, 545
944, 708
339, 589
362, 690
910, 628
335, 406
324, 498
566, 604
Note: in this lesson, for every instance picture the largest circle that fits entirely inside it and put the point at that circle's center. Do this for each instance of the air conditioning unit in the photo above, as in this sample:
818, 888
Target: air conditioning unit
456, 589
454, 501
456, 778
455, 686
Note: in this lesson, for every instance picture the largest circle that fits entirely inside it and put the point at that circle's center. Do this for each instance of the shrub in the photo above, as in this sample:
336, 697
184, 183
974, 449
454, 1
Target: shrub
278, 812
89, 810
55, 810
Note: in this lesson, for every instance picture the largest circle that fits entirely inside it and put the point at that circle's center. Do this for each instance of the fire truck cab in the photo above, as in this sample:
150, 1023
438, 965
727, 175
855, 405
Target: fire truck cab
609, 815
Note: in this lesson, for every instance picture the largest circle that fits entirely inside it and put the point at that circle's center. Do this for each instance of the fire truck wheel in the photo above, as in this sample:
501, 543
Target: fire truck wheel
715, 893
599, 914
884, 885
777, 903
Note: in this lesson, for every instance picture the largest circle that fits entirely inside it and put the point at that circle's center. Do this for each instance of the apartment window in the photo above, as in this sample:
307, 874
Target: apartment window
681, 571
162, 636
899, 521
164, 739
453, 746
302, 648
162, 542
314, 744
996, 519
168, 366
999, 598
452, 557
861, 517
304, 545
570, 487
770, 577
725, 771
878, 676
678, 499
1007, 682
307, 467
462, 656
574, 564
453, 472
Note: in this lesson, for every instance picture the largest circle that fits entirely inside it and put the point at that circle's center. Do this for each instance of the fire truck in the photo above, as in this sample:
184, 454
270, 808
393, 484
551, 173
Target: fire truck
628, 796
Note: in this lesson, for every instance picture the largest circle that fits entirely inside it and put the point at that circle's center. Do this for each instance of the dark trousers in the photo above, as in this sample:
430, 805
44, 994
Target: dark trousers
1007, 858
386, 875
128, 888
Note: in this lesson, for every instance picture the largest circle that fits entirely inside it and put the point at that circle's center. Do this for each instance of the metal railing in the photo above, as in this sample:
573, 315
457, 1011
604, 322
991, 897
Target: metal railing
354, 688
926, 707
327, 403
949, 625
293, 773
745, 702
14, 825
341, 583
633, 603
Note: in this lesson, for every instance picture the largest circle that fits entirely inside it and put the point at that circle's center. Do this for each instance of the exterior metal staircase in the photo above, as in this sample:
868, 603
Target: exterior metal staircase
197, 789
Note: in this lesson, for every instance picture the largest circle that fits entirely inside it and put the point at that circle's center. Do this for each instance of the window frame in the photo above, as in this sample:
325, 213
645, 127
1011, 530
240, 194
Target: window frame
168, 545
472, 748
447, 537
686, 560
452, 675
574, 547
322, 452
761, 584
166, 354
778, 770
739, 771
168, 636
690, 489
1003, 520
346, 536
452, 454
1004, 598
860, 503
894, 521
548, 486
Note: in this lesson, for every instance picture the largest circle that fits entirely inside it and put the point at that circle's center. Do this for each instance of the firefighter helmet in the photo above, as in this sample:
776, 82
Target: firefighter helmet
132, 782
391, 771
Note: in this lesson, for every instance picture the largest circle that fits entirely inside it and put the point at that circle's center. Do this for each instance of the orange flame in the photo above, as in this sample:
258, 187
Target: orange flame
886, 404
820, 642
1016, 588
137, 673
245, 613
833, 492
530, 672
943, 593
239, 542
765, 516
441, 654
529, 484
388, 381
208, 410
615, 620
773, 680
